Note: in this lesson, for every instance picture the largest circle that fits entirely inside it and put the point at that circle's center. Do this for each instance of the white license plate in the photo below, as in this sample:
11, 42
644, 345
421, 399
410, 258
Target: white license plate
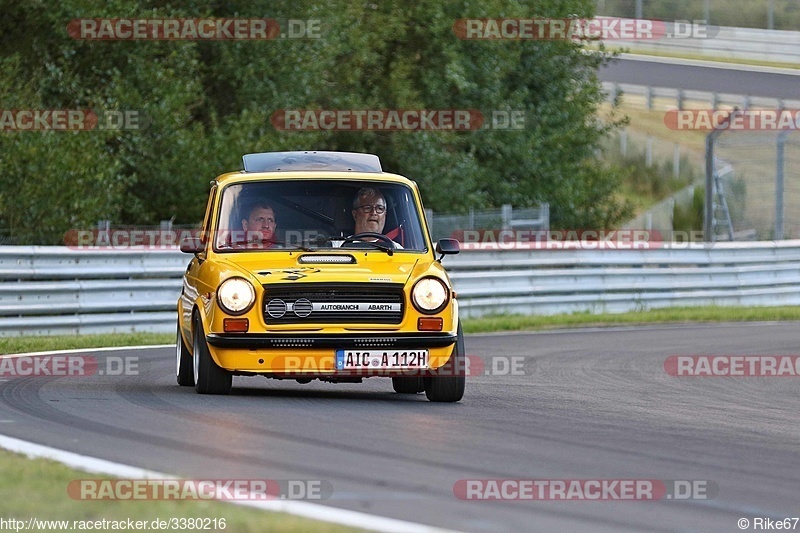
389, 359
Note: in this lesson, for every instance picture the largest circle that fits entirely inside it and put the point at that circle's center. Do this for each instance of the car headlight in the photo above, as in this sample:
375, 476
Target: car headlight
429, 295
236, 296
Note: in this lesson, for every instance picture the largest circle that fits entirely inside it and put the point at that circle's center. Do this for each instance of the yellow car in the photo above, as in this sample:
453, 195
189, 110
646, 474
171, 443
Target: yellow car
318, 265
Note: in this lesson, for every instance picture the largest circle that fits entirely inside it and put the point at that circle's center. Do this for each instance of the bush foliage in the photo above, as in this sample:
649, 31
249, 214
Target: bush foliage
202, 104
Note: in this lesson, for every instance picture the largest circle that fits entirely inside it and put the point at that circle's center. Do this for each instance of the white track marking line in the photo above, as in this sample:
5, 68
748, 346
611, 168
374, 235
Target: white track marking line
313, 511
83, 350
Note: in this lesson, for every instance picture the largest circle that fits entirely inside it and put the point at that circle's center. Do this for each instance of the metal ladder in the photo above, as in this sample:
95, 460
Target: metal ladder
721, 204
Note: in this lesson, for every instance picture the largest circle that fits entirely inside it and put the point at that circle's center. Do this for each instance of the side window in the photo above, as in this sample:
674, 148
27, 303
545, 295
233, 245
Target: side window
204, 235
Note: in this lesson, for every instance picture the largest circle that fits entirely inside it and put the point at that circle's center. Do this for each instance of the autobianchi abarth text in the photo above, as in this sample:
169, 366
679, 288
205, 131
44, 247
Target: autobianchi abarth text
357, 307
277, 305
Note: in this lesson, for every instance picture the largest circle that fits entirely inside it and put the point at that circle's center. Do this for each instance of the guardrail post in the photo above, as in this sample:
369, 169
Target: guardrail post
103, 232
506, 216
676, 160
714, 101
649, 96
545, 216
708, 208
779, 184
680, 97
648, 156
623, 143
771, 15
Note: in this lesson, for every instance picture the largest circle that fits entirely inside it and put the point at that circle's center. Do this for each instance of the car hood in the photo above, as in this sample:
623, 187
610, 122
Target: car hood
369, 268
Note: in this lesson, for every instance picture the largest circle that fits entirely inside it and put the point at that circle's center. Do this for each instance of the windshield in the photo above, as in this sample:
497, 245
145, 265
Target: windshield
276, 215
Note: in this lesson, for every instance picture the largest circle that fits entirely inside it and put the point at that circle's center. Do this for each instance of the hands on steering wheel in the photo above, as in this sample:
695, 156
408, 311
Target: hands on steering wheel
369, 235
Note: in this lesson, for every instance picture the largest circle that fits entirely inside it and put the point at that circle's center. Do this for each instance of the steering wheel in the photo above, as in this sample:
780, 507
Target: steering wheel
369, 235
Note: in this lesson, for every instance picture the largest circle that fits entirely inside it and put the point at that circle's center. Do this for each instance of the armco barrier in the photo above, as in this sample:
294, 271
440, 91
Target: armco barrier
546, 282
54, 290
724, 42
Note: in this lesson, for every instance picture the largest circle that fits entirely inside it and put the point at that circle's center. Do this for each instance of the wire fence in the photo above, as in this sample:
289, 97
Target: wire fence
505, 218
758, 183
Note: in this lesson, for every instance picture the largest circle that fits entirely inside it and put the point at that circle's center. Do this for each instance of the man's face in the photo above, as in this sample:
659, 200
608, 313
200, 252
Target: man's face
260, 225
367, 217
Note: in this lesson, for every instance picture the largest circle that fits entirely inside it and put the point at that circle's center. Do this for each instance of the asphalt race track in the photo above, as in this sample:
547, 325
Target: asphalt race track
587, 404
659, 72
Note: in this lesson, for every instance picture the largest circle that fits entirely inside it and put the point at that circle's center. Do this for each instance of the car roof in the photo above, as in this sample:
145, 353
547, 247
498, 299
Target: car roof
311, 160
243, 177
280, 166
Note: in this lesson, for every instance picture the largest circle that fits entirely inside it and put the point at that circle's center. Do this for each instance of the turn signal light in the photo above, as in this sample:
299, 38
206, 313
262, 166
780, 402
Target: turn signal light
429, 323
235, 325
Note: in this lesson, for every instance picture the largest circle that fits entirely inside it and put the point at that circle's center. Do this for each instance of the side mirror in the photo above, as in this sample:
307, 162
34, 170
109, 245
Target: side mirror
192, 245
447, 247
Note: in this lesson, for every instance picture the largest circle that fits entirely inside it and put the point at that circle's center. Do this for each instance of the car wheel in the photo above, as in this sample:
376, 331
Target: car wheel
408, 385
449, 388
209, 378
183, 356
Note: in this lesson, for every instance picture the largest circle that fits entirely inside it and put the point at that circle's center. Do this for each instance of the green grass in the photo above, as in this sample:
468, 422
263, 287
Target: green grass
662, 316
38, 488
65, 342
9, 345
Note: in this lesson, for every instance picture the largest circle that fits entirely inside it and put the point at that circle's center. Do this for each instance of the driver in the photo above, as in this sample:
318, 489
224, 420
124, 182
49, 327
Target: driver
369, 212
260, 224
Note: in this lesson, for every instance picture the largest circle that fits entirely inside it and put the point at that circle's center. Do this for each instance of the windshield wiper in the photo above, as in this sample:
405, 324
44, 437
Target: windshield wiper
376, 244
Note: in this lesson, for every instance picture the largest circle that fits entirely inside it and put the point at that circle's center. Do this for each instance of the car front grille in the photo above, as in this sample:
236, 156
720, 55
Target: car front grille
333, 303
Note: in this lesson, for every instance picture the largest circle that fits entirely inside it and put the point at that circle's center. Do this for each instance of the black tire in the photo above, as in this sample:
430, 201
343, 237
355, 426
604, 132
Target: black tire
408, 385
209, 378
183, 356
450, 386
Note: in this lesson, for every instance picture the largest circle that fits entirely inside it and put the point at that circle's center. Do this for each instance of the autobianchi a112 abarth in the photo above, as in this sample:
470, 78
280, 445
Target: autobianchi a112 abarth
318, 265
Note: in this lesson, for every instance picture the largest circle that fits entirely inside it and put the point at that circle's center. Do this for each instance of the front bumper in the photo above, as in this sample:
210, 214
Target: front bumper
314, 355
340, 341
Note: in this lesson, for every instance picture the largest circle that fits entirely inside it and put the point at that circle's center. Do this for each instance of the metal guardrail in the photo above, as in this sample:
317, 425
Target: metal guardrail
54, 290
725, 42
50, 290
547, 282
681, 97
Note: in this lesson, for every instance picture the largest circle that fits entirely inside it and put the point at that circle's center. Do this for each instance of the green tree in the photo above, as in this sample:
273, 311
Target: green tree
203, 104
